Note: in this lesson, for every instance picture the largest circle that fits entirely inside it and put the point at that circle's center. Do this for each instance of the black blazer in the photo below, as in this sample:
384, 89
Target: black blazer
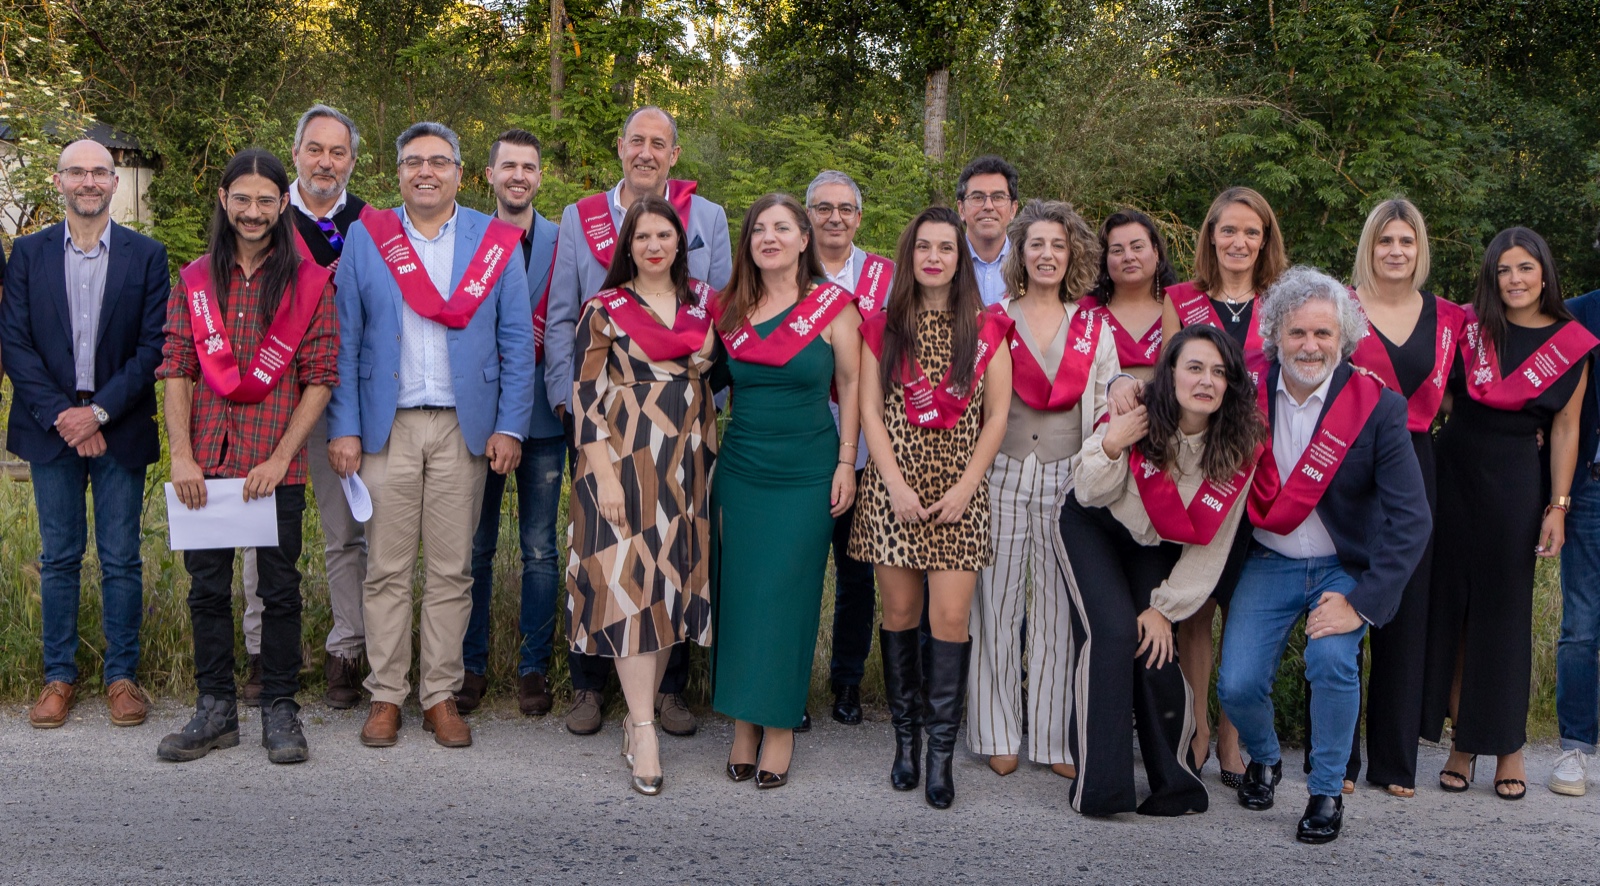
1375, 508
36, 345
317, 241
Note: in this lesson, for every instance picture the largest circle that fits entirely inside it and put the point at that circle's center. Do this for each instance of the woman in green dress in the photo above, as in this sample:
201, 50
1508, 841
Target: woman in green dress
782, 476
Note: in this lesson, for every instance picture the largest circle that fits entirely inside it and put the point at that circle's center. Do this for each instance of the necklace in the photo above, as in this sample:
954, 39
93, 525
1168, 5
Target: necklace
662, 293
1235, 314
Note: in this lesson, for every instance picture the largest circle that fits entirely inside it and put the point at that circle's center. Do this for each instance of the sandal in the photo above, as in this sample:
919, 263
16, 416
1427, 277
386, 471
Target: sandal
1466, 780
1511, 781
1349, 787
1403, 793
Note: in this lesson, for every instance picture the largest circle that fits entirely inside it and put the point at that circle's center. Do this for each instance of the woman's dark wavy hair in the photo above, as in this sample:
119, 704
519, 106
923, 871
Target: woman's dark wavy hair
282, 259
1236, 428
623, 268
905, 302
1486, 300
1165, 276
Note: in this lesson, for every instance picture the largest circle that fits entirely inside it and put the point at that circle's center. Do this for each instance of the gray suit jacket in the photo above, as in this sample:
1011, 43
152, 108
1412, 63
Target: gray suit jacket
577, 275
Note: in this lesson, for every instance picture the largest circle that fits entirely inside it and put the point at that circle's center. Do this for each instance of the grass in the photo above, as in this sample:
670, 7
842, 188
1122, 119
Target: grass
166, 661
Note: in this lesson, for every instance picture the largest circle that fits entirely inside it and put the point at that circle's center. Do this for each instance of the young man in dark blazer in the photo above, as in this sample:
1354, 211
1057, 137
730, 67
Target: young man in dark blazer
80, 330
1336, 540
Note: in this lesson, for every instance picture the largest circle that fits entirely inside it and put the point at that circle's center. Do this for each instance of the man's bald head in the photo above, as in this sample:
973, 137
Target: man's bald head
86, 176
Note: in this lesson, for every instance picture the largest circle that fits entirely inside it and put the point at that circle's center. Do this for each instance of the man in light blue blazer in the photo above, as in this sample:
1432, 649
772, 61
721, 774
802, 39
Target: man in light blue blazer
436, 392
648, 149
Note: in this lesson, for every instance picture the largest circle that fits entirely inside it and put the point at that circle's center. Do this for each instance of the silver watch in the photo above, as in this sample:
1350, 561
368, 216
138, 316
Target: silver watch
100, 415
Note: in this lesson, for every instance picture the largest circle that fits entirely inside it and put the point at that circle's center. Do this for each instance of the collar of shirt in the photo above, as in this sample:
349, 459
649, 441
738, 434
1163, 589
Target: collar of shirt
1005, 250
847, 274
1319, 395
300, 204
99, 247
614, 197
447, 228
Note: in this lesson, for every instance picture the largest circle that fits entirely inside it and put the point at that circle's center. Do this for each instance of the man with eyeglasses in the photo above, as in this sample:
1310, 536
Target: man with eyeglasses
437, 344
833, 200
324, 154
648, 149
986, 194
80, 328
514, 174
249, 364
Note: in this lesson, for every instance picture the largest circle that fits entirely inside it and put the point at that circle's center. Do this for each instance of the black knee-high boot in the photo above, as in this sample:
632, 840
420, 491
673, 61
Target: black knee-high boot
902, 682
947, 691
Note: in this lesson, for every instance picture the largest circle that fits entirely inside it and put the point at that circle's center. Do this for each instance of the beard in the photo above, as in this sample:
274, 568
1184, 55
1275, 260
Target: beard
85, 205
512, 204
1304, 373
323, 193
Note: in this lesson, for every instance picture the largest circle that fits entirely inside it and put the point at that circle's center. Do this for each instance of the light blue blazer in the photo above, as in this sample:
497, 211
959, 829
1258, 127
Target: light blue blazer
491, 360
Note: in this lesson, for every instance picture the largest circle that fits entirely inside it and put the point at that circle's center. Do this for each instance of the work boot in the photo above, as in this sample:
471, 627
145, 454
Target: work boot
281, 734
344, 681
250, 693
215, 725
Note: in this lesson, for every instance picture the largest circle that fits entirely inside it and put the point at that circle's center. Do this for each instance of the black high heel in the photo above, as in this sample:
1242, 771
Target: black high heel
765, 779
1466, 780
745, 771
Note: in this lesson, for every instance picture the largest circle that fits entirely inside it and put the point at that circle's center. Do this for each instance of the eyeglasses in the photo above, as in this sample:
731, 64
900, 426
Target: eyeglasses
437, 163
845, 210
78, 173
998, 198
243, 202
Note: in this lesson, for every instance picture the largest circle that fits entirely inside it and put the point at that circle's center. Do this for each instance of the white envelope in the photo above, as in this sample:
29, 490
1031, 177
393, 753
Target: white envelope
226, 521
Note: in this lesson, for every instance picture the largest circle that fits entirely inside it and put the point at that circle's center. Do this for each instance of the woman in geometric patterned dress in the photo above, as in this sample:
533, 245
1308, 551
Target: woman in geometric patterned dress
637, 578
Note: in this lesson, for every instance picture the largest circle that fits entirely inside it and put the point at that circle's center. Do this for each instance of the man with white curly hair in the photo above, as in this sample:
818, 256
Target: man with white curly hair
1340, 523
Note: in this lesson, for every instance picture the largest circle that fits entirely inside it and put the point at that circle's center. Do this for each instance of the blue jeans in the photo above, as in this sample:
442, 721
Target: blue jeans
58, 492
538, 499
1273, 592
1578, 651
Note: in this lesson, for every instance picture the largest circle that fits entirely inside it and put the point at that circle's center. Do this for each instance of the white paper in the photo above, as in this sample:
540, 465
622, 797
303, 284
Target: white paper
227, 520
355, 493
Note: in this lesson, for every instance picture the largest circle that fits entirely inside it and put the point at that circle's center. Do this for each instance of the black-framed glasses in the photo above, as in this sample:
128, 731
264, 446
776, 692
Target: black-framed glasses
437, 163
998, 198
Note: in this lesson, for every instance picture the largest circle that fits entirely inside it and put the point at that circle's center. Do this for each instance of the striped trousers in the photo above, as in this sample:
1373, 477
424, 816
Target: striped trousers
1025, 498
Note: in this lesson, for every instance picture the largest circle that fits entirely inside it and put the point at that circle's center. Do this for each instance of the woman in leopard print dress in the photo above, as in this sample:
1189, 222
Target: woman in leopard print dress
922, 512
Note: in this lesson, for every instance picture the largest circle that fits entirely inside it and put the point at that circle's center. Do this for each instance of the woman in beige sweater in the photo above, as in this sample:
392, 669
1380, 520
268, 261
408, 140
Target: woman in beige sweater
1159, 493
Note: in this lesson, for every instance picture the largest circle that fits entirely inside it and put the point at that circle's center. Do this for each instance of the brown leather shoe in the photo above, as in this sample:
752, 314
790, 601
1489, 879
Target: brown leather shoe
54, 703
533, 696
445, 722
382, 729
127, 703
344, 682
473, 686
250, 693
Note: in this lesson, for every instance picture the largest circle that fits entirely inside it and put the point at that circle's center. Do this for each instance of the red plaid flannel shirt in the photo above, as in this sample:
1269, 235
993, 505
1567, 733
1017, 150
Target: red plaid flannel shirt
229, 438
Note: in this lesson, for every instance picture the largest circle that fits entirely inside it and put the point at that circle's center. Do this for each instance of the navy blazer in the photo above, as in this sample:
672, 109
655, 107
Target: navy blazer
1586, 308
36, 345
1375, 508
541, 264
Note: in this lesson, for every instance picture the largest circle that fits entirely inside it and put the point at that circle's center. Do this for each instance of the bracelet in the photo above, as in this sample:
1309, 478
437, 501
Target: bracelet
1549, 508
847, 462
851, 445
1561, 501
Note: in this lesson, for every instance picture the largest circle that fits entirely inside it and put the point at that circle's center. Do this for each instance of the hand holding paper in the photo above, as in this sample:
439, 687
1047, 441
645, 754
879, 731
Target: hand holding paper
223, 518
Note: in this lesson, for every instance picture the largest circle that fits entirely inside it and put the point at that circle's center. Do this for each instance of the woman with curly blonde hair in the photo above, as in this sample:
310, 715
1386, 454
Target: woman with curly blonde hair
1063, 354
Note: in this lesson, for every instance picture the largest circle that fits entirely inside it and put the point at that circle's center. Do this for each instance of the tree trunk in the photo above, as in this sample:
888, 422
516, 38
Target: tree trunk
558, 78
625, 69
936, 106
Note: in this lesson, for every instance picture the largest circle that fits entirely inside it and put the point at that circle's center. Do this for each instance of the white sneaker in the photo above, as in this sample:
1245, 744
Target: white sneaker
1571, 775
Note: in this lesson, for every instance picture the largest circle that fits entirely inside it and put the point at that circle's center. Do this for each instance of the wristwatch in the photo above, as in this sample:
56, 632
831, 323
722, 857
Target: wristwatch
100, 415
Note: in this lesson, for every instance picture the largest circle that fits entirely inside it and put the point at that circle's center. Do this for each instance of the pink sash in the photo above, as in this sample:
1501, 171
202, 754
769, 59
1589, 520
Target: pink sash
594, 217
806, 321
873, 287
497, 249
1130, 351
1193, 524
688, 332
1194, 306
1423, 404
1561, 352
1280, 506
1072, 376
541, 311
939, 407
218, 364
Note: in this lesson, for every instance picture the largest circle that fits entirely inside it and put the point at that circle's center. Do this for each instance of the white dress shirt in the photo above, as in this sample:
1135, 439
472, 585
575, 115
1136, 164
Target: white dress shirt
297, 202
1293, 426
991, 279
424, 349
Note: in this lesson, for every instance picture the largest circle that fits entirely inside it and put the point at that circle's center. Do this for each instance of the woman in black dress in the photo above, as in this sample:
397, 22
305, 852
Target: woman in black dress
1495, 482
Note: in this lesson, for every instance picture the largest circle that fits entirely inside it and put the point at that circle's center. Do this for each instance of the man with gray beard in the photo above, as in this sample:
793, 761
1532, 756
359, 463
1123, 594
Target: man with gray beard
1340, 521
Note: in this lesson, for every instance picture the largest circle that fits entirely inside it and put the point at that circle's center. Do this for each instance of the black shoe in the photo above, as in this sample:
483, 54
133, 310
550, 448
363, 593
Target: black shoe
847, 704
902, 683
1259, 784
1322, 820
805, 722
280, 732
946, 675
215, 725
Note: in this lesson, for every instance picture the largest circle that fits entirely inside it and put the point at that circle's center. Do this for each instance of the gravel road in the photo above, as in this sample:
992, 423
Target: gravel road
529, 803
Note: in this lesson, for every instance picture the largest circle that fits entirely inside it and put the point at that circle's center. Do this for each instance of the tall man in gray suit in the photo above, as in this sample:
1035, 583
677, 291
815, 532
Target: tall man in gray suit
648, 149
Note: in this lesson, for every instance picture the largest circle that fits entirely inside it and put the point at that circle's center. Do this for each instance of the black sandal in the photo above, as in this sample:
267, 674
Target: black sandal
1466, 780
1231, 779
1511, 781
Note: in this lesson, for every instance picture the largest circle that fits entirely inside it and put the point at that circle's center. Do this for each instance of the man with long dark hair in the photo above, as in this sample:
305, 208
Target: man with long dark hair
250, 362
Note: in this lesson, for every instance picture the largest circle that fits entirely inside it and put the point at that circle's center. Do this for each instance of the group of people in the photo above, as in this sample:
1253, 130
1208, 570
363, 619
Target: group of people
1049, 461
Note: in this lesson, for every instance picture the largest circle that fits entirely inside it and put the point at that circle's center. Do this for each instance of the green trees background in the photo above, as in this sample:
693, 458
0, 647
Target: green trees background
1480, 110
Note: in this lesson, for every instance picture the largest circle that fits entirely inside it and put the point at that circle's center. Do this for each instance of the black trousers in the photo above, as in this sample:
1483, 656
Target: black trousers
854, 606
211, 608
1115, 694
